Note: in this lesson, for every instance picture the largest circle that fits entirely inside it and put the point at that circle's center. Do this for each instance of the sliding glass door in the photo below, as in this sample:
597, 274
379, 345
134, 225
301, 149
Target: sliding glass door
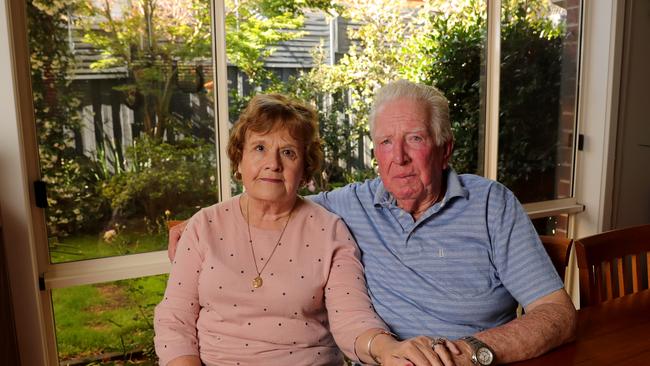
124, 107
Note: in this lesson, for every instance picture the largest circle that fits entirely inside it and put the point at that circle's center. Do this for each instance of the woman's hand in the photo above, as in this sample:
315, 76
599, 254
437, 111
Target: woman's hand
417, 351
185, 361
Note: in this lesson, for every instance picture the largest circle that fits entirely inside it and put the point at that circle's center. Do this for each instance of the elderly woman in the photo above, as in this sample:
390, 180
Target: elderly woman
267, 278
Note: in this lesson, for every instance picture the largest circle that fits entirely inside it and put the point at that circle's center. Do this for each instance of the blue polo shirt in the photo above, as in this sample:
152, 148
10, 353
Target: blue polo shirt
461, 268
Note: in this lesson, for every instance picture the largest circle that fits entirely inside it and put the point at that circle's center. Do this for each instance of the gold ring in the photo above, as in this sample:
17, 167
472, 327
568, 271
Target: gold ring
438, 340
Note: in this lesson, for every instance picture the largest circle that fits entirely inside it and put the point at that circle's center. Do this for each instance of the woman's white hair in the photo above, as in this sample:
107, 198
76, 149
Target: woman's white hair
429, 96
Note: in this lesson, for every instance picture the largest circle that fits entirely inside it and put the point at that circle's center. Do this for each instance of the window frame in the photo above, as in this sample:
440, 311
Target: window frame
23, 223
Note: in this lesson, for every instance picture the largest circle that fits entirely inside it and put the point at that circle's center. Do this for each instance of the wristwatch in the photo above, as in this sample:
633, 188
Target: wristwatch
483, 355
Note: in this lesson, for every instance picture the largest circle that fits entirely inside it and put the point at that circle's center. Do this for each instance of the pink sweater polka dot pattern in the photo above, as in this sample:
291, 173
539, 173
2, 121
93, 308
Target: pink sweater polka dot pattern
314, 292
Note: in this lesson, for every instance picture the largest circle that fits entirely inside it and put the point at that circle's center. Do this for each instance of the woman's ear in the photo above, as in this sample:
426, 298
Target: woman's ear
237, 174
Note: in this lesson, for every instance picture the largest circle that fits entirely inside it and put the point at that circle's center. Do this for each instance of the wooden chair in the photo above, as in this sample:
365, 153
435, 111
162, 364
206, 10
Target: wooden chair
611, 264
174, 227
558, 249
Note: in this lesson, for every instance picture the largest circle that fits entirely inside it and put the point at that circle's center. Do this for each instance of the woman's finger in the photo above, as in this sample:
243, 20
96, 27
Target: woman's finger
428, 351
397, 361
417, 353
443, 354
452, 347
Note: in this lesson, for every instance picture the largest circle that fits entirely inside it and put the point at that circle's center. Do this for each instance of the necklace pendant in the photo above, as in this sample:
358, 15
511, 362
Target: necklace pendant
257, 282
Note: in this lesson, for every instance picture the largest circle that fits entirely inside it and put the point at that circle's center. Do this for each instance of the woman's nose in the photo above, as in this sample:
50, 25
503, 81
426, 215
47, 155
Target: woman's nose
273, 161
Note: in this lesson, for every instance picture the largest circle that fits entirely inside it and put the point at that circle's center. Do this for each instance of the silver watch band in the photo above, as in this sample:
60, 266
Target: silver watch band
473, 342
479, 350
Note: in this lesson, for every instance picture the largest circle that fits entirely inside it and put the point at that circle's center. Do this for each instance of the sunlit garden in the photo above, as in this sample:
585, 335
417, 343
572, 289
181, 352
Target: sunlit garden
107, 323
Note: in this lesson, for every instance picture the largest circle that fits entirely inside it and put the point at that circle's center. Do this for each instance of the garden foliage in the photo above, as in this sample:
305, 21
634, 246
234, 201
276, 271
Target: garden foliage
163, 177
165, 46
72, 179
531, 49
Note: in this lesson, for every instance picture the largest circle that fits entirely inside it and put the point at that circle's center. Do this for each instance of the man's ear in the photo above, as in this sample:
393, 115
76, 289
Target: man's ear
447, 150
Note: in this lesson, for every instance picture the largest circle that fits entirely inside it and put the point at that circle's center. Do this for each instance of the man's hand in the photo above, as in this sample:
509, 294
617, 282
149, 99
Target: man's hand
548, 322
464, 358
175, 230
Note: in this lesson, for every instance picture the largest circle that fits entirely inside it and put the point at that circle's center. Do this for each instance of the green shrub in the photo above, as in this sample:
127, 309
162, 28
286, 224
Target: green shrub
531, 49
162, 177
72, 179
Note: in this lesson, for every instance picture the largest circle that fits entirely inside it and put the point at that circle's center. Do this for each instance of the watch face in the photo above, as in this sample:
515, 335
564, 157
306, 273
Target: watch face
484, 356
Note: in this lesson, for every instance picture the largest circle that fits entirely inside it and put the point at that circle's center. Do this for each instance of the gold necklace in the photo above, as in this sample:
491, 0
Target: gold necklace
257, 281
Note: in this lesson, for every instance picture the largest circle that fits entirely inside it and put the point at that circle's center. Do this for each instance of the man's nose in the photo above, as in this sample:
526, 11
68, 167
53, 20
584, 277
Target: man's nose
400, 155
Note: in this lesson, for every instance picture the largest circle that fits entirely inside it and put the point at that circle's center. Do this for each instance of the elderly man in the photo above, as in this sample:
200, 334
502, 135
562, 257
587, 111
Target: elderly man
446, 254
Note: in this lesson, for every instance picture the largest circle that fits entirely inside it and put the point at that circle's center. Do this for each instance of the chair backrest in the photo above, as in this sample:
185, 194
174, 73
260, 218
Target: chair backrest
611, 264
171, 223
558, 249
175, 228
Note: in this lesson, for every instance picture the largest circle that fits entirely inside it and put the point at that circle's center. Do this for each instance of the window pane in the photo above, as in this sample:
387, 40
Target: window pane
108, 322
552, 225
124, 118
277, 50
459, 35
338, 62
539, 48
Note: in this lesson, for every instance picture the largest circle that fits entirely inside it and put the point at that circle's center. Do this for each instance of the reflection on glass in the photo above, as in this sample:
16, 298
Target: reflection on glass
539, 44
552, 225
107, 323
124, 119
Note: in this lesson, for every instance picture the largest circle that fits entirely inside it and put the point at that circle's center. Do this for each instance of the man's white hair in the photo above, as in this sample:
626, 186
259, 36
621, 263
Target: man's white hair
429, 96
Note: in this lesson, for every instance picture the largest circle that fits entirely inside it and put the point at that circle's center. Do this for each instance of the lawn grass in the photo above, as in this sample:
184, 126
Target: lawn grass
111, 317
89, 246
91, 320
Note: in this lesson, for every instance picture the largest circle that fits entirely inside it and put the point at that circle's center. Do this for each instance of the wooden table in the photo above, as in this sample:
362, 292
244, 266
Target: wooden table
616, 332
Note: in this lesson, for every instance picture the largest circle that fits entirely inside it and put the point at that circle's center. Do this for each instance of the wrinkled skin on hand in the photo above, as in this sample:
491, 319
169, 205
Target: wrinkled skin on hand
419, 351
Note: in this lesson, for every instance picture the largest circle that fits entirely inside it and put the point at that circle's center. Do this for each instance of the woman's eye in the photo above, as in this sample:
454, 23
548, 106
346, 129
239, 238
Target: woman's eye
259, 148
289, 153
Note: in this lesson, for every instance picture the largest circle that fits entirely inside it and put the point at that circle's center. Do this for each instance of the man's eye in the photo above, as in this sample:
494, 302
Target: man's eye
385, 142
417, 138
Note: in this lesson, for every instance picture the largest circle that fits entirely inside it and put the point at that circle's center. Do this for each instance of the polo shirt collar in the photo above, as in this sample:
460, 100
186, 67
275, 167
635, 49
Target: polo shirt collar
455, 188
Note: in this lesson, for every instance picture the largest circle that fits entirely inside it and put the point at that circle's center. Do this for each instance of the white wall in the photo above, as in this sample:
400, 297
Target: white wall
600, 67
16, 211
631, 190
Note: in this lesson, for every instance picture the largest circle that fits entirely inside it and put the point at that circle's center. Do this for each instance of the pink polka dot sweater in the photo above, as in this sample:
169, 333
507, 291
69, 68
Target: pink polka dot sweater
313, 293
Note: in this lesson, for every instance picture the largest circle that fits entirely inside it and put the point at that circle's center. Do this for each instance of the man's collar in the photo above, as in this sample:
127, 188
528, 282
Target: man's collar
382, 196
454, 186
454, 189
